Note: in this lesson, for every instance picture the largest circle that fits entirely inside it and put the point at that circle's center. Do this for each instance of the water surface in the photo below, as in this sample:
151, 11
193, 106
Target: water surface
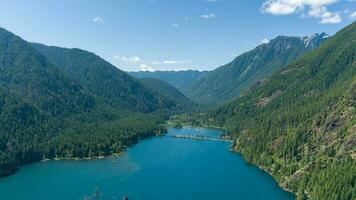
158, 168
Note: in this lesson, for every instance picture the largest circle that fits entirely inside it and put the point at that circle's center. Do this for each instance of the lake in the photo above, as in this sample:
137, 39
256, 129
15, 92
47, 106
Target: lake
157, 168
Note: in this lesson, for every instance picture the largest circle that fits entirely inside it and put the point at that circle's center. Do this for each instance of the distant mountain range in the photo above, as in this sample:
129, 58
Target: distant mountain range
179, 79
245, 71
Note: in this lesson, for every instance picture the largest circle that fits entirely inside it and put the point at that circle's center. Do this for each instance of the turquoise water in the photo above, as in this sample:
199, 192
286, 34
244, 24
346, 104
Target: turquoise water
159, 168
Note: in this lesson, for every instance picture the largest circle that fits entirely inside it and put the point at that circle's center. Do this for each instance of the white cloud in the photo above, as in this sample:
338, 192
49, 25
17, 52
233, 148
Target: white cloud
352, 15
169, 62
285, 7
132, 59
175, 25
315, 8
324, 15
278, 8
144, 67
334, 19
99, 20
265, 41
186, 18
208, 16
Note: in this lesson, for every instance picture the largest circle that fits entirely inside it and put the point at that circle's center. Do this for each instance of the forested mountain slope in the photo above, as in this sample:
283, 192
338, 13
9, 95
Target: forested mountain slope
45, 113
250, 68
300, 125
29, 74
172, 94
179, 79
19, 123
103, 80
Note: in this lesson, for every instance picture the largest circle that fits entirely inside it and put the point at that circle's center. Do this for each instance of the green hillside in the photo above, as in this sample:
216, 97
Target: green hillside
29, 74
300, 124
250, 68
45, 113
179, 79
102, 79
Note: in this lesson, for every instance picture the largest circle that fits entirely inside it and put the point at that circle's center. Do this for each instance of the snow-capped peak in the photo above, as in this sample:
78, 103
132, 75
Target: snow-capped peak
315, 38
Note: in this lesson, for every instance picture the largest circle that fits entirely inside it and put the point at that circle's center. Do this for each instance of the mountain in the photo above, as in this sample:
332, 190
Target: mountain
47, 112
172, 94
27, 72
179, 79
300, 124
102, 79
250, 68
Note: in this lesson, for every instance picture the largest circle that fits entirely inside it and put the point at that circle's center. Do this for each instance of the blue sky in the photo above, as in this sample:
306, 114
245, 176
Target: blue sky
170, 34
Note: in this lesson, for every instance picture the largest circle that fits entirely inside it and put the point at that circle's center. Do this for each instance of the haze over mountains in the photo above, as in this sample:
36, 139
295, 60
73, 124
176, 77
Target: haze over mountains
179, 79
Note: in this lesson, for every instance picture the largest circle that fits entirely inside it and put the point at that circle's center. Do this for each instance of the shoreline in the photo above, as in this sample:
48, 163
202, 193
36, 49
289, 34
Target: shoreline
114, 155
232, 149
262, 168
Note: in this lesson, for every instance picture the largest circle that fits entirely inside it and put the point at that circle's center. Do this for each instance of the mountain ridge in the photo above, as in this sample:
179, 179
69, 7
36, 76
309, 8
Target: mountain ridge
234, 78
101, 78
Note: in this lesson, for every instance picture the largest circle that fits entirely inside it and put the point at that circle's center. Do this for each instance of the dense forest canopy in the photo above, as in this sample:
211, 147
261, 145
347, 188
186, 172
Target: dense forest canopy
102, 79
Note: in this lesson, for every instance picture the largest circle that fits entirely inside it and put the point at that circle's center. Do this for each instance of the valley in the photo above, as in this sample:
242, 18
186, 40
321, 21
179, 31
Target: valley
277, 122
